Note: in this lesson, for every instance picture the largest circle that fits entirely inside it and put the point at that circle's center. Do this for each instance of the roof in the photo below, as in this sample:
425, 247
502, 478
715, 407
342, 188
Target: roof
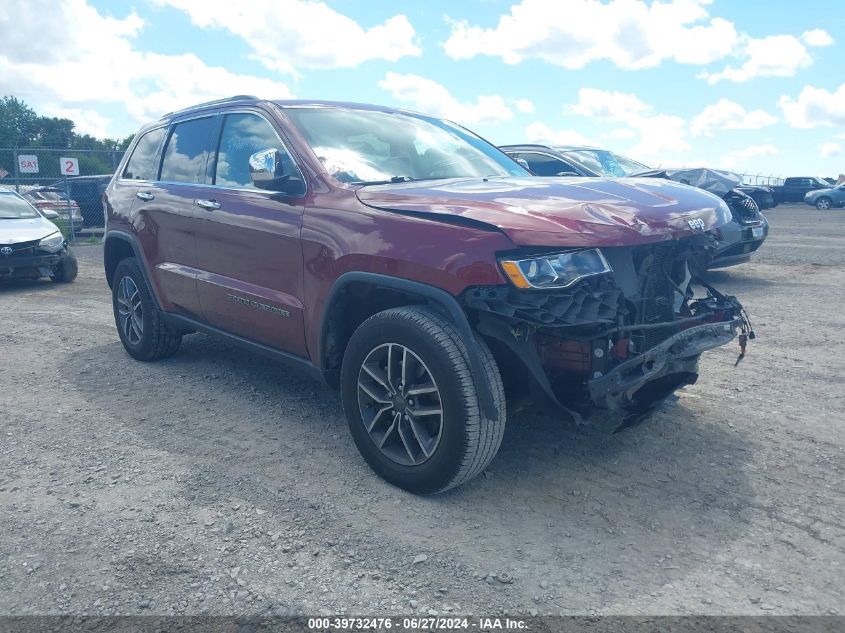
282, 103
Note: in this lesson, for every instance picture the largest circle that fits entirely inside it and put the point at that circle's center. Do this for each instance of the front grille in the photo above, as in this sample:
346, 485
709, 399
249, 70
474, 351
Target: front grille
21, 249
743, 208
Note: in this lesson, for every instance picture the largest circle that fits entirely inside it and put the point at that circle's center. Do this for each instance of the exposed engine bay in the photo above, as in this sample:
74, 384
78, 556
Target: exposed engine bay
623, 341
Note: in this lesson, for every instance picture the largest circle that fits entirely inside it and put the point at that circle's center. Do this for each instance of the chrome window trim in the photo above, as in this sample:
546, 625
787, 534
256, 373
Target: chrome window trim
259, 113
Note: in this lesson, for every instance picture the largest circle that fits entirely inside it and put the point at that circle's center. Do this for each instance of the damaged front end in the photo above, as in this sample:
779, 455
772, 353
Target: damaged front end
621, 330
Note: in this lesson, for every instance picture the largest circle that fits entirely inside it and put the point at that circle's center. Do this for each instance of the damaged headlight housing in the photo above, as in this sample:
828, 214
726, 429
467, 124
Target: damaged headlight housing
53, 243
555, 270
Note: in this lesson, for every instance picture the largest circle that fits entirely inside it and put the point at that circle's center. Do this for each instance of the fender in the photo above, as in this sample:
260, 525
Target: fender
114, 234
436, 296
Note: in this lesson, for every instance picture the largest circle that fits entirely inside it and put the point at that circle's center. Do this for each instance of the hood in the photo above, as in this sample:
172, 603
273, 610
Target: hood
25, 230
560, 211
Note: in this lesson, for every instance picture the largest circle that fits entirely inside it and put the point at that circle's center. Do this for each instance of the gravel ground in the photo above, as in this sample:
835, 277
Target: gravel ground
218, 482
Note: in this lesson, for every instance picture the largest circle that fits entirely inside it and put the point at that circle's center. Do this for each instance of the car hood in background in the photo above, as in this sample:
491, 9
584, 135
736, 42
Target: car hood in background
561, 211
25, 230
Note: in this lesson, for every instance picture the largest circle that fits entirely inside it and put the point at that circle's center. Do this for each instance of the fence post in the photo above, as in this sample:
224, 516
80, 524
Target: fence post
17, 175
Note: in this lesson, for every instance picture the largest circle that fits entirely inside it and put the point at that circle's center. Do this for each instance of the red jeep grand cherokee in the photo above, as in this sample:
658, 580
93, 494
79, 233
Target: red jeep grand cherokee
413, 265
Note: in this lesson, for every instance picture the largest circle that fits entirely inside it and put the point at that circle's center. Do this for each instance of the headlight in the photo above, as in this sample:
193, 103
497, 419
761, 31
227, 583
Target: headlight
557, 270
52, 243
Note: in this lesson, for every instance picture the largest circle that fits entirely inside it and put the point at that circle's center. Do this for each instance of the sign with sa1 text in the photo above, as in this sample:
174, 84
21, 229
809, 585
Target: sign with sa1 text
28, 164
69, 166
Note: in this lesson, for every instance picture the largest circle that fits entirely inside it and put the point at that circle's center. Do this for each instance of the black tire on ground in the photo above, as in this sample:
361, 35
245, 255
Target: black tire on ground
468, 440
67, 270
824, 204
157, 338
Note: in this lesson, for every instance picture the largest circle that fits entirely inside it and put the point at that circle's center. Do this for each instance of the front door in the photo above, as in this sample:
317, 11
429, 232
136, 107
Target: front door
249, 256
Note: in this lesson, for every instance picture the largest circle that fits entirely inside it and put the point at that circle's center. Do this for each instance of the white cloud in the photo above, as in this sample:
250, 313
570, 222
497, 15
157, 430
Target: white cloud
98, 65
629, 33
829, 150
539, 132
288, 34
740, 157
728, 115
814, 107
771, 56
524, 105
433, 98
817, 37
657, 133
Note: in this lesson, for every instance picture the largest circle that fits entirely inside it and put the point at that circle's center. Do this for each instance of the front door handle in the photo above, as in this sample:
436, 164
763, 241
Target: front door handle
208, 205
143, 195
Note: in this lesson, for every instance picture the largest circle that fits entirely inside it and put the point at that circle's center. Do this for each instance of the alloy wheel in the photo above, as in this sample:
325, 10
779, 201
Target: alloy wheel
400, 404
130, 311
823, 204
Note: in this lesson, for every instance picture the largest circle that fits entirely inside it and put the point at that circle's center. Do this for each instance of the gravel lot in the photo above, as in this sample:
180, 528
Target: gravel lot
219, 482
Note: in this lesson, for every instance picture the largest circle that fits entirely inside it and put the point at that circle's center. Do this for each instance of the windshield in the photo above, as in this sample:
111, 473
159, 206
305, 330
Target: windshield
14, 208
367, 146
604, 162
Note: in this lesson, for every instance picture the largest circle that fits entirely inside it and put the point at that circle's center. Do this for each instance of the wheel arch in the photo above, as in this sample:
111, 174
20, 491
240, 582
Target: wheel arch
119, 245
344, 312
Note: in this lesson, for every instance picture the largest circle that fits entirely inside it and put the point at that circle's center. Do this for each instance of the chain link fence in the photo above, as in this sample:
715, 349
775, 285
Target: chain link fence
36, 174
761, 180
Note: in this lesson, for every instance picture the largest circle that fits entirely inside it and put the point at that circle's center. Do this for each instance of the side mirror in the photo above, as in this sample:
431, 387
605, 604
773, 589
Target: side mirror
265, 169
50, 214
567, 173
522, 162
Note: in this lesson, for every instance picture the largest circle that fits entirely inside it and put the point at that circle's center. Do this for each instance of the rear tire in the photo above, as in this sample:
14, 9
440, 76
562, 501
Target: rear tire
446, 451
144, 333
67, 270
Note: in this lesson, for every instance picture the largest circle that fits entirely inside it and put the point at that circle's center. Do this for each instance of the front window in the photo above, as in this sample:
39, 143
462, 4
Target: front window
606, 163
14, 208
367, 146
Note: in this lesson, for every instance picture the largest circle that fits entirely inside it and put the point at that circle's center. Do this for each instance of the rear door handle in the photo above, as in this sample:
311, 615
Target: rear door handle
143, 195
208, 205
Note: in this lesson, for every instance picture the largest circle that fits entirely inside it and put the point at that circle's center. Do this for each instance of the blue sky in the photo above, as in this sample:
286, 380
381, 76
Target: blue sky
756, 87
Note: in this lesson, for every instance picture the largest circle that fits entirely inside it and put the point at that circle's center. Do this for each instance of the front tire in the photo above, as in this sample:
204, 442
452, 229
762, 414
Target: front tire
412, 404
67, 270
823, 204
142, 330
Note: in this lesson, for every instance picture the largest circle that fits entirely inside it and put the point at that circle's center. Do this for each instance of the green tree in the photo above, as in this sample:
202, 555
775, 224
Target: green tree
17, 122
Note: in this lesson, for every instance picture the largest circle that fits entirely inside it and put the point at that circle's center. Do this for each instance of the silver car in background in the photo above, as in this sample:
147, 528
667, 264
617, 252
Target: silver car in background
737, 240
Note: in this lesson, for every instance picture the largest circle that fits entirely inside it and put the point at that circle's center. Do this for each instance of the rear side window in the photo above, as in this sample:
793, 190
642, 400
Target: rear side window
545, 165
186, 151
242, 136
142, 164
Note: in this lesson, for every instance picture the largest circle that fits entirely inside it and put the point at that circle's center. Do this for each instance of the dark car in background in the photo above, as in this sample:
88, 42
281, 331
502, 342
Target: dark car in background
795, 188
416, 267
737, 240
544, 160
87, 192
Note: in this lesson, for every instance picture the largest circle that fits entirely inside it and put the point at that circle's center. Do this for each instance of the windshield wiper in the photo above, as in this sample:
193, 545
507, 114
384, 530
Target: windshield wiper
395, 179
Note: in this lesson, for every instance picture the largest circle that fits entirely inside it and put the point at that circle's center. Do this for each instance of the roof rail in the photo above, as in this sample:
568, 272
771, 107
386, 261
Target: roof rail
209, 104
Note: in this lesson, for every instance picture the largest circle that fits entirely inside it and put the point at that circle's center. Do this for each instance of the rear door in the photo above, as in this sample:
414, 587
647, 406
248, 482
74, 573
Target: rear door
165, 214
248, 241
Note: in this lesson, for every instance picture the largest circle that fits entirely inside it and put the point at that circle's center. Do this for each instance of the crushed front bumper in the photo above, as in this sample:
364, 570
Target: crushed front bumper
677, 355
17, 267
